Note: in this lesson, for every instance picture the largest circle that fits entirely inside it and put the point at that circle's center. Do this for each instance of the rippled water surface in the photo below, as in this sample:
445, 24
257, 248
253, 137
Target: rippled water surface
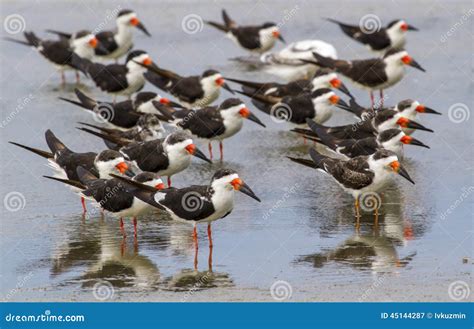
302, 232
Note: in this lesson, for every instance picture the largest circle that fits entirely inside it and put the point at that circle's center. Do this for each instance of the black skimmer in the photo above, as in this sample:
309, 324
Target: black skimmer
197, 203
120, 79
215, 123
112, 195
362, 174
123, 115
192, 91
407, 108
369, 126
316, 105
390, 139
372, 74
378, 39
115, 43
148, 128
65, 162
60, 54
257, 39
324, 78
165, 157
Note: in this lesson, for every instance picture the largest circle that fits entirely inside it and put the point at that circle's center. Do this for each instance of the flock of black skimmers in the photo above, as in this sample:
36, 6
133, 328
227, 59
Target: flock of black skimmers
126, 179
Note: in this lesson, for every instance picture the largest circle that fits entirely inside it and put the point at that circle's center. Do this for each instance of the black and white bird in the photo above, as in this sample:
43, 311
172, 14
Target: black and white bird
407, 108
197, 203
120, 79
148, 128
377, 38
64, 162
112, 196
60, 53
359, 175
369, 126
115, 43
165, 157
124, 115
215, 123
316, 105
191, 91
256, 39
323, 78
372, 74
390, 139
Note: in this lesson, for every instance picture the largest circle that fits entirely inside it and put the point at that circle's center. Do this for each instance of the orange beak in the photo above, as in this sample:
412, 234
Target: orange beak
134, 21
160, 186
420, 108
93, 42
191, 148
276, 34
336, 83
404, 27
403, 122
147, 61
407, 59
406, 139
220, 81
165, 101
245, 112
237, 183
395, 166
122, 167
334, 99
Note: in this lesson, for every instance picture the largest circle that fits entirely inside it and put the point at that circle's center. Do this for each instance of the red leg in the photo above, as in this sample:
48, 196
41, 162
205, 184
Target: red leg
210, 151
78, 78
210, 259
372, 101
135, 226
195, 248
195, 237
122, 229
83, 202
169, 181
221, 149
209, 235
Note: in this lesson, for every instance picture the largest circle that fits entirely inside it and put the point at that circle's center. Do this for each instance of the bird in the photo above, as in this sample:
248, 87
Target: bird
370, 126
256, 39
359, 175
123, 115
316, 105
120, 79
197, 203
116, 43
166, 157
59, 53
148, 128
378, 39
288, 63
407, 108
372, 74
64, 162
215, 123
112, 196
323, 78
390, 139
191, 91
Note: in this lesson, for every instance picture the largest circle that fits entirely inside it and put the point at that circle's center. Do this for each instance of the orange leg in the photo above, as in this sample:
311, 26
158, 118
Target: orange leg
135, 226
122, 229
83, 202
210, 150
356, 205
376, 217
221, 149
209, 234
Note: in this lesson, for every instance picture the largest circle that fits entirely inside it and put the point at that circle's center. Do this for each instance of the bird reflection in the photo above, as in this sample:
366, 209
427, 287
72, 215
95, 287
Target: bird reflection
373, 246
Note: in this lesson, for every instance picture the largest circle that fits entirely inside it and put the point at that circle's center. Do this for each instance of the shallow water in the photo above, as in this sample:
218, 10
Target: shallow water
302, 232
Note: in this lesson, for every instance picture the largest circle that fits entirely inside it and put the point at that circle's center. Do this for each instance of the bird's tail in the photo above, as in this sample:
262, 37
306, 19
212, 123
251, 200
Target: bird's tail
55, 145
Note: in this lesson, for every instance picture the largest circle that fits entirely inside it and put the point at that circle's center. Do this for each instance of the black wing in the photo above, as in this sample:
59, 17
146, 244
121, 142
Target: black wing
106, 39
190, 203
204, 123
247, 36
368, 72
149, 156
110, 78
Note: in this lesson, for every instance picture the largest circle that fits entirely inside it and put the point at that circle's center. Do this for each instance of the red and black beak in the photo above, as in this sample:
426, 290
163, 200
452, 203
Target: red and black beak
239, 185
193, 150
408, 60
407, 123
412, 141
336, 83
423, 109
136, 22
398, 168
245, 112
